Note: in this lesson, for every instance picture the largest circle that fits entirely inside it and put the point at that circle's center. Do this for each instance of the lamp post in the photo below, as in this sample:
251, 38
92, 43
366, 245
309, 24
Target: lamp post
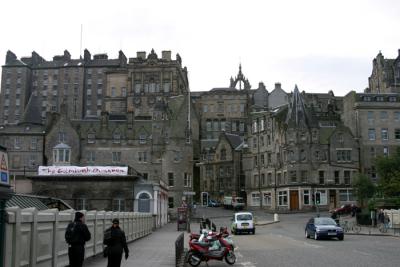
258, 160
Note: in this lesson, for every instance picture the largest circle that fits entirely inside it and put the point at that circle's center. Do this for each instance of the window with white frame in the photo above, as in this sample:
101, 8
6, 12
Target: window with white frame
267, 199
91, 137
384, 134
187, 180
370, 115
371, 134
34, 143
116, 137
142, 139
282, 198
343, 155
116, 157
142, 156
255, 199
118, 204
205, 108
396, 115
82, 204
178, 156
384, 115
91, 156
61, 154
346, 195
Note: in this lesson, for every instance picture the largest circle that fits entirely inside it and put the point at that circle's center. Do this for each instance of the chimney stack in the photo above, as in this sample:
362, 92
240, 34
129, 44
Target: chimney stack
278, 86
141, 55
166, 55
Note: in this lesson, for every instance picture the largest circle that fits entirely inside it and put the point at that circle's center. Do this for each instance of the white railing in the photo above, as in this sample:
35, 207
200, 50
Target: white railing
36, 238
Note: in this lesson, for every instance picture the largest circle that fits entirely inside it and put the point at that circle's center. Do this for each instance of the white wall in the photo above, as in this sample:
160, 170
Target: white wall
36, 238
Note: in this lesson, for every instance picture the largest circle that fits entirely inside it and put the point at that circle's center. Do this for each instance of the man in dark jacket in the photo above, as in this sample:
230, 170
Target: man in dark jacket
115, 240
76, 235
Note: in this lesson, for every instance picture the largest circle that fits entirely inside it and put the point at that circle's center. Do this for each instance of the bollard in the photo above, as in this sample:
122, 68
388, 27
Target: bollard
276, 217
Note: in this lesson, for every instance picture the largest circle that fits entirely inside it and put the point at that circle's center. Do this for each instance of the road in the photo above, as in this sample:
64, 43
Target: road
284, 244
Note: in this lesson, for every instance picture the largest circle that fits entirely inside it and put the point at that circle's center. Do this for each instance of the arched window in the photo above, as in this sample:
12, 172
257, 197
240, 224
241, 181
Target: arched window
144, 202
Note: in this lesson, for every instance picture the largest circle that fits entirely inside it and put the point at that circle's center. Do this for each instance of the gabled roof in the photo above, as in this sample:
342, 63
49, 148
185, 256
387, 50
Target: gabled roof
32, 113
39, 202
234, 140
297, 115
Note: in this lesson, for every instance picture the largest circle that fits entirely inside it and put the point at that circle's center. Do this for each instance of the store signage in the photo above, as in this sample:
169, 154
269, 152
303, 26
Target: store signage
83, 171
4, 175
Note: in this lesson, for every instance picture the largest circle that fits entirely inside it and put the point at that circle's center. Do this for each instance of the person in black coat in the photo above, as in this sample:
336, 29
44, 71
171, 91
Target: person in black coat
115, 240
76, 245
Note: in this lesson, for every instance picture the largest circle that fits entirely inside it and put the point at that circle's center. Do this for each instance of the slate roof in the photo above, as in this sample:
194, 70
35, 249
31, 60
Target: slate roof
39, 202
32, 112
234, 140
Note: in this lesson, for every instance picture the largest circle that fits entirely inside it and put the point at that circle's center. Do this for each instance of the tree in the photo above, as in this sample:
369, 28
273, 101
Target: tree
388, 169
364, 188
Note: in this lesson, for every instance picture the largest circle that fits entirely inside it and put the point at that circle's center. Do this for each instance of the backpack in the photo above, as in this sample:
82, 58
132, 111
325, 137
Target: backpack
71, 235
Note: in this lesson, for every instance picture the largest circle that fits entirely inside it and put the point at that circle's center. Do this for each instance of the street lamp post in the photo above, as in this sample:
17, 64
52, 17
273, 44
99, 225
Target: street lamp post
258, 161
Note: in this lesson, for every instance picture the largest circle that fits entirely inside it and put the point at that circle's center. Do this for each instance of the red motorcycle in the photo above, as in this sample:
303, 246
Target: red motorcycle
200, 251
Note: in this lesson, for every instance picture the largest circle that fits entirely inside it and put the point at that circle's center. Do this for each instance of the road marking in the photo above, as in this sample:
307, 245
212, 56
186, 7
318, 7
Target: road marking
238, 254
311, 245
247, 264
362, 253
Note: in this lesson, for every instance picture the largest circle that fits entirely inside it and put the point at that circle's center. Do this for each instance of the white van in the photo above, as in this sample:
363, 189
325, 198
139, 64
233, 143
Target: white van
243, 222
234, 202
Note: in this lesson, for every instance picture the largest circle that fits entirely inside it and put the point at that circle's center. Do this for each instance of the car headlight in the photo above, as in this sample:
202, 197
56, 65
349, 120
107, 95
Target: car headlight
318, 230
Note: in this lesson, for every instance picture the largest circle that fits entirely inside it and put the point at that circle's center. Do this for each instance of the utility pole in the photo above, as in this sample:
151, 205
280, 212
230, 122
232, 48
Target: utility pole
258, 160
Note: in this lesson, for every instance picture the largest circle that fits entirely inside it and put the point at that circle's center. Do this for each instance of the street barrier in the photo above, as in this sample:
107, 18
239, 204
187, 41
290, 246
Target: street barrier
36, 238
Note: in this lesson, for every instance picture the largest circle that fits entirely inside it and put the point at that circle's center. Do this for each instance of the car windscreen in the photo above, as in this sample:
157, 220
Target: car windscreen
244, 217
324, 221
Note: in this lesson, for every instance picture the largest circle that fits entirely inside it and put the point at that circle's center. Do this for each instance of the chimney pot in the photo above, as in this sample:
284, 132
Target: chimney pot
278, 86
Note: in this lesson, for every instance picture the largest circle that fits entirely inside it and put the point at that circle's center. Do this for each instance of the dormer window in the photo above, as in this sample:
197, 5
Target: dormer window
62, 154
367, 99
91, 137
380, 99
142, 139
116, 138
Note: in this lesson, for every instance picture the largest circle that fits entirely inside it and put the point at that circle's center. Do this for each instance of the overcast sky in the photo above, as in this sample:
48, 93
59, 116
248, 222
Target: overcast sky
318, 45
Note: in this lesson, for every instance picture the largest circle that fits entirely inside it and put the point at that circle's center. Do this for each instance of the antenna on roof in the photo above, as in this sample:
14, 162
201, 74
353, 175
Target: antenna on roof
80, 47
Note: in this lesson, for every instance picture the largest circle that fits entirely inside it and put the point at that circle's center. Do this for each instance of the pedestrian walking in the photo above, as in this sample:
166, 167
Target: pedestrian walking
386, 220
381, 216
76, 235
115, 240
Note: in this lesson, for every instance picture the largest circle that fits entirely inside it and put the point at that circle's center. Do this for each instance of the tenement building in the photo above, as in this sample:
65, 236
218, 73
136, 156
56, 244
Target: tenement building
385, 76
300, 155
224, 118
100, 112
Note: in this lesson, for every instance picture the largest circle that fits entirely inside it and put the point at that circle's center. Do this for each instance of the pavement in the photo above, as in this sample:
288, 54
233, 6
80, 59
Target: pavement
156, 249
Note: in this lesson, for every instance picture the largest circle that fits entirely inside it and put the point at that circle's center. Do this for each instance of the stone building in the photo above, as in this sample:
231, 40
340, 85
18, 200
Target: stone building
134, 113
299, 151
375, 120
385, 76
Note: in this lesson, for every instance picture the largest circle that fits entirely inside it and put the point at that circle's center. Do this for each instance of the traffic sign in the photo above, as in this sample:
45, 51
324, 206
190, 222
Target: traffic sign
4, 175
189, 193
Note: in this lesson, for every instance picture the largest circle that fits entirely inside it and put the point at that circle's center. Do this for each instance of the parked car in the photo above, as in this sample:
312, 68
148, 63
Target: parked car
345, 209
213, 203
323, 227
243, 222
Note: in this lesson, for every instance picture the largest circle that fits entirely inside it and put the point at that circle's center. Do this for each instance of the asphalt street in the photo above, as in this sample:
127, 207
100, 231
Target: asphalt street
284, 244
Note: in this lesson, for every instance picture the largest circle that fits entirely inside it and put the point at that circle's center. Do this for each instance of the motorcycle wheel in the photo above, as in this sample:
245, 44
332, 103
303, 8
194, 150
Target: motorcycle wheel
230, 258
193, 260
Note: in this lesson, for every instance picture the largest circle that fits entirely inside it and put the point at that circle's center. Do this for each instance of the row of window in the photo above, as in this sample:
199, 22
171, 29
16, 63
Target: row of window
221, 108
384, 134
187, 179
267, 180
116, 137
379, 98
151, 87
320, 196
222, 125
383, 115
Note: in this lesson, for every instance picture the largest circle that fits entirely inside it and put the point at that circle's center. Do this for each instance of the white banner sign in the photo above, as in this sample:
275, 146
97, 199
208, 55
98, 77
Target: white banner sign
83, 171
